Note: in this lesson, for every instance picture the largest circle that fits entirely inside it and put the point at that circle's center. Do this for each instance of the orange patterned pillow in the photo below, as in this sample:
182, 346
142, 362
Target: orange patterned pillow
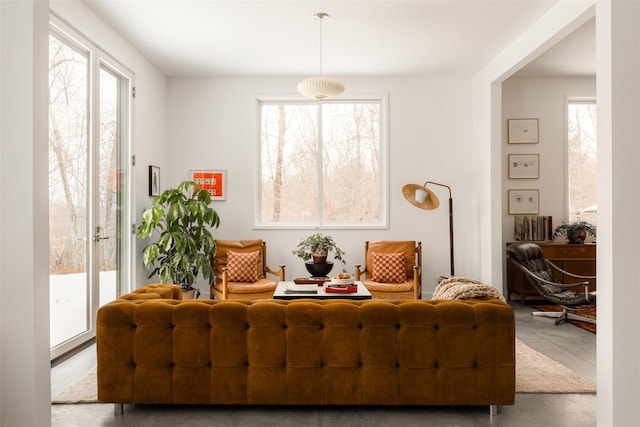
388, 268
242, 266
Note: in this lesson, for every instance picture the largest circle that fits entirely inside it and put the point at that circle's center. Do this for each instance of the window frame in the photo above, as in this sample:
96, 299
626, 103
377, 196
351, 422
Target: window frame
573, 100
383, 184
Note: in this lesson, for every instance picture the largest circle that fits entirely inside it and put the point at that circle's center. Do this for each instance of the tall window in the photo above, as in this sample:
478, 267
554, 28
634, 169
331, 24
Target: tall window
89, 197
322, 164
582, 159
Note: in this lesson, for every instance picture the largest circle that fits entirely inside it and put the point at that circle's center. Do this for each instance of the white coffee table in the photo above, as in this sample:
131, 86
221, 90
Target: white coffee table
280, 293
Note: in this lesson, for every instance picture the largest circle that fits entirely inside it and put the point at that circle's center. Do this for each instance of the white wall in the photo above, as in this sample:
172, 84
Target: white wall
545, 99
24, 304
212, 125
149, 109
488, 163
618, 47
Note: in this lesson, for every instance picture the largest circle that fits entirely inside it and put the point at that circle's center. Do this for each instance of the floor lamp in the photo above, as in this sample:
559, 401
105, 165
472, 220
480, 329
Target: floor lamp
422, 197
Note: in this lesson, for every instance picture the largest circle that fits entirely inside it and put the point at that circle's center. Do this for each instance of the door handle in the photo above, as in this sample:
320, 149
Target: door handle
97, 237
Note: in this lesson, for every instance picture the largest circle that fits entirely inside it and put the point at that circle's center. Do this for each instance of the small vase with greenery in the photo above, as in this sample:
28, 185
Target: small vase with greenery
576, 231
182, 217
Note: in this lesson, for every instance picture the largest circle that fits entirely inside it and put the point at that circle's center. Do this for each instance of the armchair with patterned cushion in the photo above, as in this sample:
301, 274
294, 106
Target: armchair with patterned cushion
241, 271
393, 269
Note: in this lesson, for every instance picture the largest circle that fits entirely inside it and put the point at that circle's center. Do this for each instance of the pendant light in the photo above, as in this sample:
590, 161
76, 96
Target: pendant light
320, 87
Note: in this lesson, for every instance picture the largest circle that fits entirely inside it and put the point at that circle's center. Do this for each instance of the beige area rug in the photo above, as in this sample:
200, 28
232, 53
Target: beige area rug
85, 390
535, 373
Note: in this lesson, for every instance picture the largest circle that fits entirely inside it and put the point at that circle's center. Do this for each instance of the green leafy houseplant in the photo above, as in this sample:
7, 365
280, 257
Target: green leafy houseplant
575, 231
182, 217
318, 245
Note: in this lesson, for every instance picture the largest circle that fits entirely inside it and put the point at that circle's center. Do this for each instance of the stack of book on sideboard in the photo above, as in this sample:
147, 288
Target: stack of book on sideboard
532, 227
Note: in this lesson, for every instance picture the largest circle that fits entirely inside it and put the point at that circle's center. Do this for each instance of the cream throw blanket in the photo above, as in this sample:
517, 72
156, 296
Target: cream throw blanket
465, 288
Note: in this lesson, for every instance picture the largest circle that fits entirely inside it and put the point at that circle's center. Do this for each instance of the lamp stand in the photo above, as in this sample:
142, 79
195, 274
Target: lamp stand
451, 233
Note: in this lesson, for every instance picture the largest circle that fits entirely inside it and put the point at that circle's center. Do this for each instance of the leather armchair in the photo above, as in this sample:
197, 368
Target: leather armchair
223, 287
409, 289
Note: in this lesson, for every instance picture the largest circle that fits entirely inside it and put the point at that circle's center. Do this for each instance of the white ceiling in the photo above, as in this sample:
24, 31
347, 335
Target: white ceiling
189, 38
575, 55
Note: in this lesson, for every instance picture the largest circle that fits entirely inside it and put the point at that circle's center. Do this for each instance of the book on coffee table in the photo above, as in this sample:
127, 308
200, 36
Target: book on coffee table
344, 289
310, 280
295, 288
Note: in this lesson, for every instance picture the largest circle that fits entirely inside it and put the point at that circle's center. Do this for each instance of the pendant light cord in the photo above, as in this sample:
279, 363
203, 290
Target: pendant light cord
321, 17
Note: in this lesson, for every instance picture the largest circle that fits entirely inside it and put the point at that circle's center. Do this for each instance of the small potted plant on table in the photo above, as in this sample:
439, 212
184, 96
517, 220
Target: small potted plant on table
576, 231
314, 251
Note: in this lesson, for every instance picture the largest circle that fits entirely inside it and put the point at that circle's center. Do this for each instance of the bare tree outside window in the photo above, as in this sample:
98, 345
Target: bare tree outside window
68, 156
582, 160
321, 163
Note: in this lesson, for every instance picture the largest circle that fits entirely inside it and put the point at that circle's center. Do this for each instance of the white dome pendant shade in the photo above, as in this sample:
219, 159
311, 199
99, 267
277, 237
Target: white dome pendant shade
320, 87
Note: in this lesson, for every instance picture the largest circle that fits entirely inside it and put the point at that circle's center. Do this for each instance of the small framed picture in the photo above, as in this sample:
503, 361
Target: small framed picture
522, 131
523, 201
214, 181
524, 166
154, 181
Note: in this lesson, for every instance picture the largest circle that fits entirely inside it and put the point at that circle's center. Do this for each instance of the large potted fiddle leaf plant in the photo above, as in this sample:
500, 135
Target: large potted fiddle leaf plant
183, 218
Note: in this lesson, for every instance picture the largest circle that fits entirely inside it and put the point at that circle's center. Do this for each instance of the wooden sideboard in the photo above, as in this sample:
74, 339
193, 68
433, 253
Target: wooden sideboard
574, 258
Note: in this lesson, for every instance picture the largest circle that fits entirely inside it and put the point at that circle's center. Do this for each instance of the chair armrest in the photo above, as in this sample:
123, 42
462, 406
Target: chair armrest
417, 282
575, 276
224, 279
280, 272
560, 285
359, 272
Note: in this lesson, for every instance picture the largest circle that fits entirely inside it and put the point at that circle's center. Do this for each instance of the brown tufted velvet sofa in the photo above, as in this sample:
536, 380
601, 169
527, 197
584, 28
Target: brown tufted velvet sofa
304, 352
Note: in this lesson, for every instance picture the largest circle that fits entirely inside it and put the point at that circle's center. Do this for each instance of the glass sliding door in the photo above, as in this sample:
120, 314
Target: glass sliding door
89, 219
69, 126
106, 233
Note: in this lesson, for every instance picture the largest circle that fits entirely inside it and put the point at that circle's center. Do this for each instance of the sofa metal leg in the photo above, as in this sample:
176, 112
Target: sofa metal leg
118, 409
493, 410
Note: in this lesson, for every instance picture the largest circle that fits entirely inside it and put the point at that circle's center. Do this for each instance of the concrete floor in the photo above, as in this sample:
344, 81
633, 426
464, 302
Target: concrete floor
565, 343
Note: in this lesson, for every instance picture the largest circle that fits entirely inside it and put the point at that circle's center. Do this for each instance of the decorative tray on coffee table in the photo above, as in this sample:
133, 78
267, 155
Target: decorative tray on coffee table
311, 280
341, 286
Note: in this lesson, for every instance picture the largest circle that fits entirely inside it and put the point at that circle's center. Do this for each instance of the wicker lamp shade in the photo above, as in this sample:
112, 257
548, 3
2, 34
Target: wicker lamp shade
431, 202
